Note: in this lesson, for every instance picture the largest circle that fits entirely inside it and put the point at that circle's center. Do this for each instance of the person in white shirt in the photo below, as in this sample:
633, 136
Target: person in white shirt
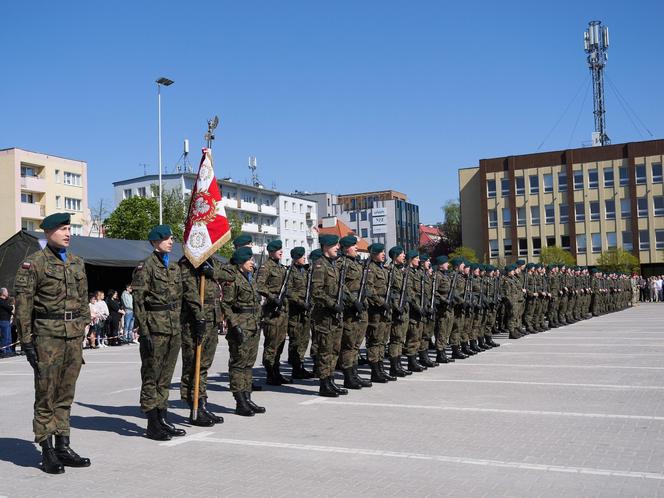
102, 314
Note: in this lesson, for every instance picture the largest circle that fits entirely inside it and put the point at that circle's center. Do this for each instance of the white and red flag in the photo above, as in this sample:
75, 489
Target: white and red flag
207, 227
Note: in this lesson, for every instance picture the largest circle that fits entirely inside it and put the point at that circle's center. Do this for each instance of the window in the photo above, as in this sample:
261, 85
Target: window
285, 205
507, 217
520, 185
640, 174
579, 212
286, 224
72, 179
548, 182
627, 241
625, 208
302, 211
365, 232
659, 205
562, 182
537, 246
76, 229
57, 176
534, 215
593, 178
608, 177
644, 240
594, 210
578, 180
659, 239
72, 204
564, 242
126, 194
564, 213
642, 207
624, 176
493, 248
28, 225
549, 214
28, 171
581, 243
490, 188
363, 216
353, 216
523, 247
534, 184
550, 241
58, 201
657, 172
493, 218
505, 187
596, 240
521, 216
27, 197
142, 192
610, 208
611, 240
293, 206
302, 227
507, 244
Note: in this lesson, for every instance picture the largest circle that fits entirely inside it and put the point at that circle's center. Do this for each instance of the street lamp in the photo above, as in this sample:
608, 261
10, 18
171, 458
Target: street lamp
165, 82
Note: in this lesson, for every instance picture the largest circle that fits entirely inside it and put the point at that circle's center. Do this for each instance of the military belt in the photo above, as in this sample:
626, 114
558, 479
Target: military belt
161, 307
245, 310
66, 316
211, 301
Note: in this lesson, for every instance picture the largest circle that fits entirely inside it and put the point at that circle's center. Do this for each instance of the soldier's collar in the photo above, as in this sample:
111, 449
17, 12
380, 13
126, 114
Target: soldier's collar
60, 253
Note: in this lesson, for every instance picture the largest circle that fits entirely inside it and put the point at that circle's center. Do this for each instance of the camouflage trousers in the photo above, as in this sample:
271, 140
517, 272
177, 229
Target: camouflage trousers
413, 337
428, 331
351, 339
398, 332
329, 332
458, 325
378, 330
157, 370
562, 307
444, 327
298, 334
241, 360
208, 350
59, 363
275, 329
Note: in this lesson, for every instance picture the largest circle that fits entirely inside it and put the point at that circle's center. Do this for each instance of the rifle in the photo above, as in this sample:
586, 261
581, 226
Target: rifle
388, 292
434, 288
450, 294
307, 293
362, 292
422, 294
466, 292
340, 291
282, 290
472, 294
260, 262
480, 299
402, 296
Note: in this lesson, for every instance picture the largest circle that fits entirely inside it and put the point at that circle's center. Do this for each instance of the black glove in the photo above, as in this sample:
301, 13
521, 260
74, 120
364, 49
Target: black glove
276, 302
385, 306
236, 334
359, 307
31, 355
198, 330
339, 308
146, 342
207, 270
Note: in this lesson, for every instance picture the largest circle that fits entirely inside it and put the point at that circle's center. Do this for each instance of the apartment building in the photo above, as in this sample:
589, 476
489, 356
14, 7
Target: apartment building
585, 200
35, 185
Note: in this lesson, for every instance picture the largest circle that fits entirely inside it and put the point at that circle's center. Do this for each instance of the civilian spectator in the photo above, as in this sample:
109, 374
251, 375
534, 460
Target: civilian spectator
658, 286
102, 316
128, 305
115, 313
6, 312
90, 334
652, 283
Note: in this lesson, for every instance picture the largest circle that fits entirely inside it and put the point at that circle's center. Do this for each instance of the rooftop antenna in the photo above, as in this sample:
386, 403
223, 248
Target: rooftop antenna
254, 176
209, 136
145, 168
596, 45
185, 167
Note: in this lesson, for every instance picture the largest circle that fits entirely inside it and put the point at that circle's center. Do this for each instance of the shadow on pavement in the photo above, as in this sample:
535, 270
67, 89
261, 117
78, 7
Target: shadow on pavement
107, 424
19, 452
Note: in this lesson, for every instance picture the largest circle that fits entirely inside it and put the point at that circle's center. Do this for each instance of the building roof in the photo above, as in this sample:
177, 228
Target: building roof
341, 230
43, 154
429, 235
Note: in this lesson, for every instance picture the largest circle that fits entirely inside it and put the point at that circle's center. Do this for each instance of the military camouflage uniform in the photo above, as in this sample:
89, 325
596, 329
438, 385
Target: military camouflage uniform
379, 313
269, 279
355, 324
400, 317
298, 317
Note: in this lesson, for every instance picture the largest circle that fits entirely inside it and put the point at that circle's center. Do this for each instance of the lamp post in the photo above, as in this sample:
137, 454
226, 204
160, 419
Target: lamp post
165, 82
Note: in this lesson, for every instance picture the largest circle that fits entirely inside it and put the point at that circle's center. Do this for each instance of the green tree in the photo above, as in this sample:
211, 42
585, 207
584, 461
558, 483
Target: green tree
450, 229
618, 260
175, 208
464, 252
236, 228
132, 219
554, 255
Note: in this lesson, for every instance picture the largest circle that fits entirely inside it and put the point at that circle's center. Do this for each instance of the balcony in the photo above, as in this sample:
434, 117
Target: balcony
250, 227
268, 229
252, 207
33, 211
33, 184
265, 209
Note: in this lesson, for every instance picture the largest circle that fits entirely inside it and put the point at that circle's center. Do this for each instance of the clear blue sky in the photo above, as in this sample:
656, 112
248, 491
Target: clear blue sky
336, 96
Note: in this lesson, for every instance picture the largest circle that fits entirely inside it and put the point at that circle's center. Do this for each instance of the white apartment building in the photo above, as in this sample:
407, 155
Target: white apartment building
297, 221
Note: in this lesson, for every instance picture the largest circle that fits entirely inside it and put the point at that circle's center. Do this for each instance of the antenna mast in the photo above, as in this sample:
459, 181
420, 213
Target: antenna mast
254, 176
596, 45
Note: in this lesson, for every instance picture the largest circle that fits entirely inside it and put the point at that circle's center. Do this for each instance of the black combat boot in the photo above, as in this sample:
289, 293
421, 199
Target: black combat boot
339, 390
489, 340
426, 361
349, 379
277, 374
457, 354
202, 405
413, 365
514, 334
202, 419
254, 407
270, 379
256, 387
51, 464
376, 374
441, 357
385, 374
167, 426
299, 372
474, 346
67, 456
326, 388
481, 344
360, 380
465, 348
155, 430
396, 370
241, 405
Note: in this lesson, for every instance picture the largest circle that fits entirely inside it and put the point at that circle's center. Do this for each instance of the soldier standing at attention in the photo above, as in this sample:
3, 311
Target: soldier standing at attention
379, 315
415, 292
158, 294
444, 305
400, 317
428, 321
314, 256
194, 333
51, 315
298, 313
271, 276
241, 308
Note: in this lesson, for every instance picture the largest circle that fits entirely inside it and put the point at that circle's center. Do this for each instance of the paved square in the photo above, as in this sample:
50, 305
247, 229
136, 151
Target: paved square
576, 411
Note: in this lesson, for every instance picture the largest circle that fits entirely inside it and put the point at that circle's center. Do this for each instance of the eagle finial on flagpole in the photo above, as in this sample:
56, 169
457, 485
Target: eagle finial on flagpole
209, 136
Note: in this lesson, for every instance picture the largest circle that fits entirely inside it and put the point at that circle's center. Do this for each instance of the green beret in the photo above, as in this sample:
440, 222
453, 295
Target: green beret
160, 232
530, 266
424, 257
395, 251
457, 261
511, 267
348, 240
441, 260
327, 239
55, 220
241, 255
376, 248
242, 240
413, 253
297, 252
274, 245
594, 270
315, 254
520, 262
474, 266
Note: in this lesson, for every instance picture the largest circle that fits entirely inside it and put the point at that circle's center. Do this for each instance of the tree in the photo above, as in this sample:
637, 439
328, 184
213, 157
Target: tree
133, 219
464, 252
450, 229
175, 209
236, 228
618, 260
554, 255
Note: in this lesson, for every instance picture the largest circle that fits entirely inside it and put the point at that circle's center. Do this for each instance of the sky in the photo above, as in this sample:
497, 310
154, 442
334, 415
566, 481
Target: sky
343, 96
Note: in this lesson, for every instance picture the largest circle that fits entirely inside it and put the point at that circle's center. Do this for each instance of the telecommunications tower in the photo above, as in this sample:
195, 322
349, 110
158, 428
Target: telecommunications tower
596, 45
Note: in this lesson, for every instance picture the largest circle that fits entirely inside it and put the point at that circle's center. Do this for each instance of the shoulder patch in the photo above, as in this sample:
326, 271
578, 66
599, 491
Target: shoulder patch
139, 267
318, 265
26, 265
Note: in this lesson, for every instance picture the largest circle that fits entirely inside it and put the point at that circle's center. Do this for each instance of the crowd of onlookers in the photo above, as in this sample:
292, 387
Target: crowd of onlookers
112, 322
650, 289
